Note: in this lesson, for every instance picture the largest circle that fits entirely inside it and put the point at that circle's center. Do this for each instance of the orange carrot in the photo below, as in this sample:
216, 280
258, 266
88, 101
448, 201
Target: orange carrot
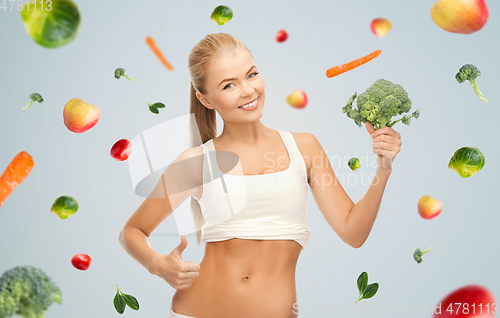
336, 70
158, 53
15, 173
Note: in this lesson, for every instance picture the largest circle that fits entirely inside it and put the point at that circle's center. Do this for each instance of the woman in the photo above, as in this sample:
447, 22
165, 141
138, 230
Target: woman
248, 269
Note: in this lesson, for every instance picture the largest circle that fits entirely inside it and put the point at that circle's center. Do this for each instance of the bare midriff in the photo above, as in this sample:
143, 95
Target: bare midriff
243, 278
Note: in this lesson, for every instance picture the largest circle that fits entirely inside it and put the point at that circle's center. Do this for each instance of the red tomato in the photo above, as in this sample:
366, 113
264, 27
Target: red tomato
468, 301
81, 261
281, 36
121, 149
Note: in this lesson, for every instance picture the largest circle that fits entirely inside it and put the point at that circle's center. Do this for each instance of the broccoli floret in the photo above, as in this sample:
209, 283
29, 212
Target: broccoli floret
121, 72
35, 97
379, 103
370, 111
352, 113
27, 291
469, 72
417, 255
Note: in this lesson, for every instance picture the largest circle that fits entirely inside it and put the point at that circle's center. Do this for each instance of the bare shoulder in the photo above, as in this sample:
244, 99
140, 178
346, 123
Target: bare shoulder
308, 145
190, 152
186, 170
189, 164
193, 152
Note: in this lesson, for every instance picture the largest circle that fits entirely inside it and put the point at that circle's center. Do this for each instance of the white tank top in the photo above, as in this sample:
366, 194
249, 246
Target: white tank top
270, 206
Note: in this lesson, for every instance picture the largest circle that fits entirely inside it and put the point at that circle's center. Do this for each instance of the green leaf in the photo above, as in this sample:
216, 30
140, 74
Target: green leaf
131, 301
370, 291
119, 303
154, 110
362, 281
158, 105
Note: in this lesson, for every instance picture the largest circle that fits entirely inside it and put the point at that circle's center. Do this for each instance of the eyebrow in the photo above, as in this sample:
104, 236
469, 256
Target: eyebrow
233, 79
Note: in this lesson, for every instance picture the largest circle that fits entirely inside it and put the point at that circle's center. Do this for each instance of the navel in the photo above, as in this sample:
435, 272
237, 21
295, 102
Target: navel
245, 278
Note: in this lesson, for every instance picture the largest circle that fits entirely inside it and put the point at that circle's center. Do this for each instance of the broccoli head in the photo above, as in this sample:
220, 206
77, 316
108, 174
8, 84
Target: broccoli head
35, 97
121, 72
417, 255
27, 291
470, 72
379, 103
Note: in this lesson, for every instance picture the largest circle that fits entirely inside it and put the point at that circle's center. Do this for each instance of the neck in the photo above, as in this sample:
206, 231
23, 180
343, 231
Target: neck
247, 133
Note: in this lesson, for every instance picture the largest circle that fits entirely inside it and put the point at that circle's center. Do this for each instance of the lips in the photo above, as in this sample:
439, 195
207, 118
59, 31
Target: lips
248, 102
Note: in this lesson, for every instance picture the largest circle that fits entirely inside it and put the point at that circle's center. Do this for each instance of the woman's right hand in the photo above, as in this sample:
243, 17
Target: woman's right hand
177, 273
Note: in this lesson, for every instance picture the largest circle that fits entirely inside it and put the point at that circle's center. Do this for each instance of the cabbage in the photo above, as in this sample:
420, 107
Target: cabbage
64, 206
222, 14
54, 26
354, 163
466, 161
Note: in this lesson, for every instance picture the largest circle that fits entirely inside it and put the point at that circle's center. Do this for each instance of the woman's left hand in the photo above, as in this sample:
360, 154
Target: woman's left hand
386, 144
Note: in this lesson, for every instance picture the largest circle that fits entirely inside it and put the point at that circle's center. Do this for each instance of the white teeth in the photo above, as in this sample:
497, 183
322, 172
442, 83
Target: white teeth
249, 105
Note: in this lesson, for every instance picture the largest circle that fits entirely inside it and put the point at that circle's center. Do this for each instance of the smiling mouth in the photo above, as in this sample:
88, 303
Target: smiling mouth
248, 103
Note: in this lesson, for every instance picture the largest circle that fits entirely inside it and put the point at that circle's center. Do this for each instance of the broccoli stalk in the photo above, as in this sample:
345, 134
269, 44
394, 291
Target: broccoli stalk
417, 255
27, 291
121, 72
379, 103
470, 72
35, 97
406, 118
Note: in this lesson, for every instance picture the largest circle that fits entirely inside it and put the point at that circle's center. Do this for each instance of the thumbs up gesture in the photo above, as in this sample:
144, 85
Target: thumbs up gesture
177, 273
386, 144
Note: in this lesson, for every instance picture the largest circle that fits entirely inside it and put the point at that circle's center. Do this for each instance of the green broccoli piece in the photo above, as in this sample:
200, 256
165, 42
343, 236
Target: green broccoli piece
379, 103
27, 291
121, 72
417, 255
352, 113
35, 97
469, 72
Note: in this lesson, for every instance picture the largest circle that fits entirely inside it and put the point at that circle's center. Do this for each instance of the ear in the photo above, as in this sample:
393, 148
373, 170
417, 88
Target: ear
203, 100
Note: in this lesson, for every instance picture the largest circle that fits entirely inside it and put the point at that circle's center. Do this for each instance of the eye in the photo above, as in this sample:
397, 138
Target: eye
248, 75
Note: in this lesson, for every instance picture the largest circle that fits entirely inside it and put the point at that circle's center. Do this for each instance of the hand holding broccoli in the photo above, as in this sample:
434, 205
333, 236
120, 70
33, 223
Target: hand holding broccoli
386, 144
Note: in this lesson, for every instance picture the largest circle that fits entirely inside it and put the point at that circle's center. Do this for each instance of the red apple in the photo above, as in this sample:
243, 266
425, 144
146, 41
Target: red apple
281, 36
460, 16
380, 26
80, 116
121, 149
81, 261
429, 207
473, 301
297, 99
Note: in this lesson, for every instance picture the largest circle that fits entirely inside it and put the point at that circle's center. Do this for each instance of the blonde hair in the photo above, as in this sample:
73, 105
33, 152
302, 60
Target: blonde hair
212, 46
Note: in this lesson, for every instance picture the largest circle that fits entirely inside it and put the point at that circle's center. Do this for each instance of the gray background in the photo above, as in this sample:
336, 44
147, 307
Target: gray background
415, 53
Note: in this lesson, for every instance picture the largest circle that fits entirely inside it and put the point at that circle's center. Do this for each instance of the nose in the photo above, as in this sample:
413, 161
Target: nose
248, 89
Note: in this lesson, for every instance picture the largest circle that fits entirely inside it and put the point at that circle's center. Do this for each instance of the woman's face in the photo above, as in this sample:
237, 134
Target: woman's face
233, 81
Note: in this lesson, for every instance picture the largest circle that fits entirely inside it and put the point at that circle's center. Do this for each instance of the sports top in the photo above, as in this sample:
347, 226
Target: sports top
271, 206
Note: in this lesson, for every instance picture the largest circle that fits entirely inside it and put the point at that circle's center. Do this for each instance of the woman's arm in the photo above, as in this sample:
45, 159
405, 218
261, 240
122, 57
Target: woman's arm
360, 219
179, 180
352, 222
134, 240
